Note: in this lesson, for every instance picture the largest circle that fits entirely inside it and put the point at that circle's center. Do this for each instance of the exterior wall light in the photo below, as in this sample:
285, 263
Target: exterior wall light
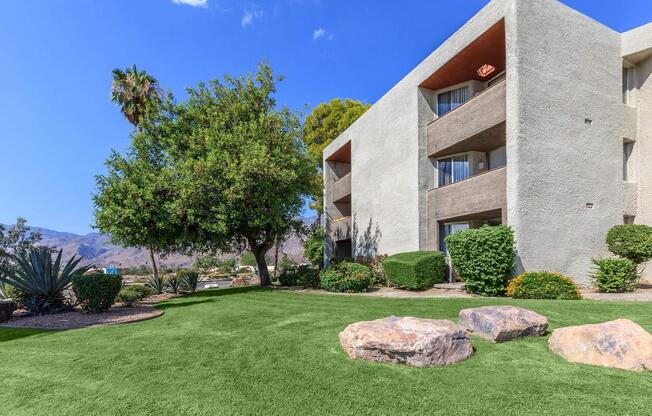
486, 70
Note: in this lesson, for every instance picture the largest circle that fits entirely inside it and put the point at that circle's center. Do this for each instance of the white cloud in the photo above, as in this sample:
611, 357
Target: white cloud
193, 3
321, 33
249, 16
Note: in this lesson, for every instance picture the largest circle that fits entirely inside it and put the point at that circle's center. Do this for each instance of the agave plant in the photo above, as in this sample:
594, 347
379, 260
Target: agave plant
189, 280
156, 284
173, 284
43, 279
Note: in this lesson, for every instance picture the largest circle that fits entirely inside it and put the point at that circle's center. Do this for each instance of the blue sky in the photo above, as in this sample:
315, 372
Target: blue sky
57, 124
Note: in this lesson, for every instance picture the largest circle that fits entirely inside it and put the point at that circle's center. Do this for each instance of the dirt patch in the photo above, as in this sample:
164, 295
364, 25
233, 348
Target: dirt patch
78, 319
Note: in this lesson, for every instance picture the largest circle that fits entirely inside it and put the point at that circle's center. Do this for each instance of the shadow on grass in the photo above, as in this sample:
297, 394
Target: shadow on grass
209, 295
10, 334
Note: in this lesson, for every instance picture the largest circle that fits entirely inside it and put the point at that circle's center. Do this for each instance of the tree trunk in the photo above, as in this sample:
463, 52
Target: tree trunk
154, 269
263, 273
275, 260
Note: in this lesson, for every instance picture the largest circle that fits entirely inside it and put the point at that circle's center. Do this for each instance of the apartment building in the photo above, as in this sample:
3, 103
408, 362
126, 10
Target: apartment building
531, 115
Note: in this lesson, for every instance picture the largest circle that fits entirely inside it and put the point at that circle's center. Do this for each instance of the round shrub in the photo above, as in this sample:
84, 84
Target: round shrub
302, 275
128, 296
96, 292
615, 275
543, 285
375, 264
483, 258
346, 277
416, 270
631, 241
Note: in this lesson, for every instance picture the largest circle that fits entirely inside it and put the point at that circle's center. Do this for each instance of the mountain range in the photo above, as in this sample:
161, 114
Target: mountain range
98, 250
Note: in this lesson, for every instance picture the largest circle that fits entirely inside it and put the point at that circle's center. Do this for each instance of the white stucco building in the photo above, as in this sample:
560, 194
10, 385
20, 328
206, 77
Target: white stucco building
531, 115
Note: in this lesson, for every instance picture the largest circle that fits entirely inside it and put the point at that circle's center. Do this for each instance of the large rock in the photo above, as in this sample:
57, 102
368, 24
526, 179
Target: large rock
617, 344
245, 281
7, 308
502, 323
412, 341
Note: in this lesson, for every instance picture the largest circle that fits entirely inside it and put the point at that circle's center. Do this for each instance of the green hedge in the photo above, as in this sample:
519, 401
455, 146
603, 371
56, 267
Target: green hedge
483, 258
346, 277
303, 275
415, 270
615, 275
96, 292
543, 285
631, 241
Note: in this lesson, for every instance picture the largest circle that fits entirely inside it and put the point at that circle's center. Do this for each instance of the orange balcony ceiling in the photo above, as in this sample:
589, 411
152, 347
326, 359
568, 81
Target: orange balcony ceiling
341, 155
487, 49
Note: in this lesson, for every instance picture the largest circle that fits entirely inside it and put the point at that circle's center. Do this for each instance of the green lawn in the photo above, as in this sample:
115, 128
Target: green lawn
257, 352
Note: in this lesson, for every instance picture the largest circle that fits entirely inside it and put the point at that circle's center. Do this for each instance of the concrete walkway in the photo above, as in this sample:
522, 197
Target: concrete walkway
456, 290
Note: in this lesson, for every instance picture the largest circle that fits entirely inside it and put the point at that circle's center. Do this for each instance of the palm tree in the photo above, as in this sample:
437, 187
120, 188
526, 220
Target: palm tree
135, 92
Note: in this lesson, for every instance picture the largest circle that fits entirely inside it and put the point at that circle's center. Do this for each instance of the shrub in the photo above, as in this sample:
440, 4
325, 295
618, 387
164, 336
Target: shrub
96, 292
483, 258
17, 295
346, 277
303, 275
415, 270
543, 285
142, 290
284, 265
128, 296
375, 264
631, 241
615, 275
188, 280
44, 279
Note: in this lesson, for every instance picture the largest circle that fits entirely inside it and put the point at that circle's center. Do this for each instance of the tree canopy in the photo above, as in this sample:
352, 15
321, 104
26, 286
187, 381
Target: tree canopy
236, 163
15, 240
323, 125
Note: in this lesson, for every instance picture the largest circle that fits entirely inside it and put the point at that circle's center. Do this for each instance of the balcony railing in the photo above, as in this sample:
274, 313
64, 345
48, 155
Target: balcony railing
462, 129
341, 228
341, 189
477, 194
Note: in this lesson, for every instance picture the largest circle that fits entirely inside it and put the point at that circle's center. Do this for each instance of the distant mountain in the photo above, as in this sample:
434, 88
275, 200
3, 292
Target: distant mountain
96, 249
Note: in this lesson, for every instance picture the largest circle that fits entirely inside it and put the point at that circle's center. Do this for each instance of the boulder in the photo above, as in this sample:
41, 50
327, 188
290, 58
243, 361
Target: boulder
245, 281
502, 323
406, 340
7, 308
617, 344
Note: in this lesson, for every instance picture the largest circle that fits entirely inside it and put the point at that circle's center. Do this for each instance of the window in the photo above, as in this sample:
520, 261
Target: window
450, 100
448, 229
452, 169
498, 158
628, 219
628, 172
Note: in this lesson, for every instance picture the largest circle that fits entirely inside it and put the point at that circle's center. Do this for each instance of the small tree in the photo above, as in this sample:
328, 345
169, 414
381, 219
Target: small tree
313, 247
206, 263
15, 241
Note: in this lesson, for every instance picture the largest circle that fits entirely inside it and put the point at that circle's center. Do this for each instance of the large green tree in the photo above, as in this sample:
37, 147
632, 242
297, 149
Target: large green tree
323, 125
130, 199
238, 164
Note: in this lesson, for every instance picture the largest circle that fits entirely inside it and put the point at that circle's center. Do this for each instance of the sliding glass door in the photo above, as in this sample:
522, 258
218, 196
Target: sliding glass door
452, 169
450, 100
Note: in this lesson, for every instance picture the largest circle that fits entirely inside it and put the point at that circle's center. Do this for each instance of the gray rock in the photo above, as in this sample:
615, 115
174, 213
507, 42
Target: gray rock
617, 344
407, 340
502, 323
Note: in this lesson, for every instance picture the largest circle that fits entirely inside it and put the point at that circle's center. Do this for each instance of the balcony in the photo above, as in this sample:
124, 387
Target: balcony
341, 189
483, 193
478, 124
341, 229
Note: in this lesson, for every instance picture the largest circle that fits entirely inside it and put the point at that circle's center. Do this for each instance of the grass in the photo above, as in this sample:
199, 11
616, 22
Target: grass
257, 352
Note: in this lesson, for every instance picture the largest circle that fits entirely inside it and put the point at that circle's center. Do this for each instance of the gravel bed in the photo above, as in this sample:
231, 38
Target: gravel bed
78, 319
